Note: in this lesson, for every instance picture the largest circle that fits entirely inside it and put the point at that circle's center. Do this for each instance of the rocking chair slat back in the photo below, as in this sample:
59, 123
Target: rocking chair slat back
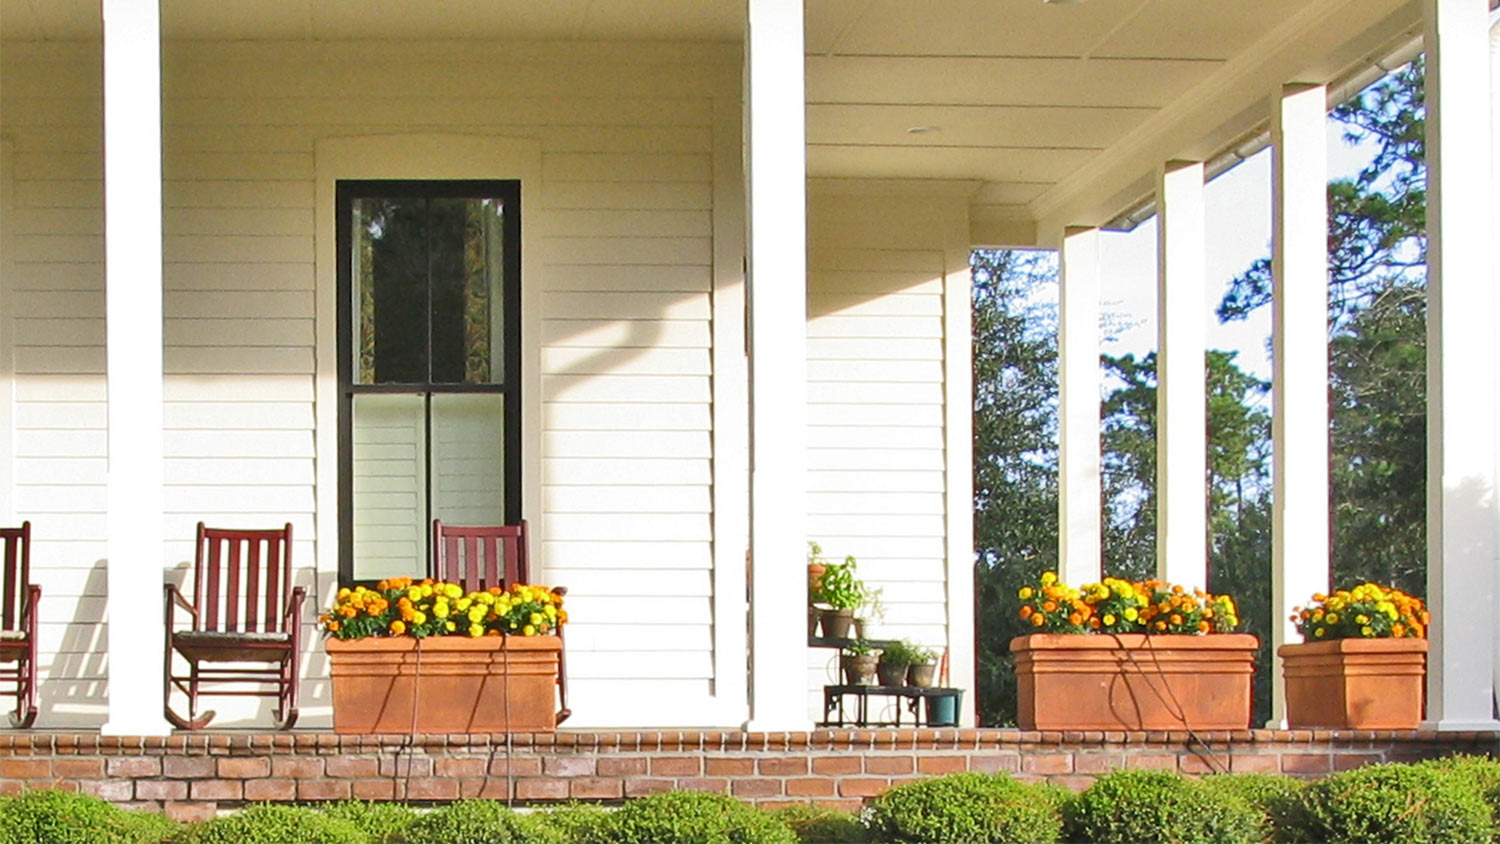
17, 573
477, 558
235, 559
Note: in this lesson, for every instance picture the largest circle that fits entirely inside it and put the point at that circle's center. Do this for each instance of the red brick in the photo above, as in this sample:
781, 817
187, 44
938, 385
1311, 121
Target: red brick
1192, 763
568, 766
323, 789
21, 769
161, 790
717, 785
993, 763
1073, 784
189, 767
271, 789
836, 765
941, 764
297, 767
839, 805
641, 786
1151, 761
526, 766
1098, 763
375, 789
541, 788
862, 786
432, 788
615, 766
459, 767
784, 766
728, 767
115, 791
1306, 763
10, 788
1047, 763
406, 766
889, 765
186, 812
596, 788
217, 790
124, 766
1260, 763
352, 767
78, 768
676, 766
1341, 761
810, 787
485, 789
244, 767
755, 787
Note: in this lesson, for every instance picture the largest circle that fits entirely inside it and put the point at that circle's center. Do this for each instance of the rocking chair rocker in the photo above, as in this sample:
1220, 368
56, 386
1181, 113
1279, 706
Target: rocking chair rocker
18, 623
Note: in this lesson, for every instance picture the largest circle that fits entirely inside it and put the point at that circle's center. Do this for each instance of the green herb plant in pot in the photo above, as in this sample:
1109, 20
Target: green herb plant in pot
923, 667
858, 661
838, 595
895, 659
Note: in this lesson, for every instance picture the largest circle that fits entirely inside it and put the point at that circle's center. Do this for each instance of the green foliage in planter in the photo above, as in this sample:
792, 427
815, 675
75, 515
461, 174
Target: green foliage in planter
691, 817
1410, 804
481, 822
839, 588
267, 823
963, 809
817, 825
382, 823
577, 823
60, 817
1140, 807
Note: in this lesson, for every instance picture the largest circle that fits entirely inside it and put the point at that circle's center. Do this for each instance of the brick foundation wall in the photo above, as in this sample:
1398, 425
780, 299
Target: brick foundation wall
196, 775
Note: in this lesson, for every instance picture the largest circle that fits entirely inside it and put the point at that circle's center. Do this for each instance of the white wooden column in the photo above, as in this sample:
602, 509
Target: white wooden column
1495, 264
133, 316
1462, 517
776, 169
1181, 398
1299, 384
1080, 492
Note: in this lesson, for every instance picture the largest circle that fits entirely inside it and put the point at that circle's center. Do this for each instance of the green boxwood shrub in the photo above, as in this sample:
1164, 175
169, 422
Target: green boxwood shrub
1257, 791
578, 823
60, 817
691, 817
965, 808
481, 822
382, 823
1480, 773
268, 823
1138, 807
1410, 804
819, 825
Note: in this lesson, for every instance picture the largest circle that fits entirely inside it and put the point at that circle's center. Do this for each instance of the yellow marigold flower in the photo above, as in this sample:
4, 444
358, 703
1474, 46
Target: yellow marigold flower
1361, 619
1319, 632
453, 590
1131, 614
476, 630
397, 627
1024, 592
1333, 618
344, 593
419, 617
476, 613
462, 604
1367, 631
1109, 619
449, 626
414, 593
1049, 578
528, 630
440, 609
550, 610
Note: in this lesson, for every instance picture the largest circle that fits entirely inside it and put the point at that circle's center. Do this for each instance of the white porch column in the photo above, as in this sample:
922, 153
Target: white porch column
1299, 334
776, 169
1080, 491
133, 315
1181, 398
1495, 265
1462, 516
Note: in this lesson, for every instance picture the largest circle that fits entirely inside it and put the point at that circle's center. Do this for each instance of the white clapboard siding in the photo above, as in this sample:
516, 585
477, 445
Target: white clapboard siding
624, 228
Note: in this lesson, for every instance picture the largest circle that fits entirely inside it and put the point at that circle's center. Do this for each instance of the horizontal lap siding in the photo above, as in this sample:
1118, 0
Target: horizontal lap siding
625, 224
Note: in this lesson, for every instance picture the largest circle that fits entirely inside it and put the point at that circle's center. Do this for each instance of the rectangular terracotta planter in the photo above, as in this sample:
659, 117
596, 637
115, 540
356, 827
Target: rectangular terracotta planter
1355, 684
453, 684
1134, 682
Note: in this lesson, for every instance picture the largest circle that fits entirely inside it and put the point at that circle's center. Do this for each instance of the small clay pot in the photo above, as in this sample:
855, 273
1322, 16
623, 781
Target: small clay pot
836, 623
892, 675
921, 675
859, 669
814, 578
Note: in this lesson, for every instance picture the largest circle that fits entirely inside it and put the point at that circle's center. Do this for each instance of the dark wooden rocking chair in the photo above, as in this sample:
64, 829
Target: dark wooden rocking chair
477, 558
236, 574
18, 623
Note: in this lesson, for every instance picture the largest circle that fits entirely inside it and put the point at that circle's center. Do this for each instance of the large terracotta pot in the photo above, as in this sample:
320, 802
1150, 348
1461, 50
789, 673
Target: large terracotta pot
454, 684
1134, 682
1355, 684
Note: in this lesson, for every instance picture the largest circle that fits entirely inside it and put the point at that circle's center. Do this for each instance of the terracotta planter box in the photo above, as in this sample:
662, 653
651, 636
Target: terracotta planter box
1355, 684
1134, 682
453, 684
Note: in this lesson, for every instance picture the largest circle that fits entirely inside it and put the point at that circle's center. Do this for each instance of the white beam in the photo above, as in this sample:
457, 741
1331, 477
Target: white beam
1299, 335
1495, 265
133, 316
1461, 509
1080, 492
777, 295
1181, 401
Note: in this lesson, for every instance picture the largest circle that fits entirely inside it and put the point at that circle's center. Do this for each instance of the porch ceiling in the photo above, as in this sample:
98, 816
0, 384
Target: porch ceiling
1041, 112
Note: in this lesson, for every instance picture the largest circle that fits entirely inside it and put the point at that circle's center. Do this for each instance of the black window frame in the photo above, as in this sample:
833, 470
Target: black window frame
345, 192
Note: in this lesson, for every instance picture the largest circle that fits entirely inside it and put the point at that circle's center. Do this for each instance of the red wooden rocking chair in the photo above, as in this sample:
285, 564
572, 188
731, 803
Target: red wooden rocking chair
18, 623
477, 558
233, 579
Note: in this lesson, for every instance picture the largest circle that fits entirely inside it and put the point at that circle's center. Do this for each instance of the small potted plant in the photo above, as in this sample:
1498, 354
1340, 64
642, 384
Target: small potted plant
871, 609
895, 659
1362, 663
923, 667
858, 661
839, 594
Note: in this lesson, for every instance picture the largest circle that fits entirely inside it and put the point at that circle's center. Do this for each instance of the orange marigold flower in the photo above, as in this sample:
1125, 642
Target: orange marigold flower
1202, 627
1038, 620
1049, 606
1026, 611
1075, 619
1175, 618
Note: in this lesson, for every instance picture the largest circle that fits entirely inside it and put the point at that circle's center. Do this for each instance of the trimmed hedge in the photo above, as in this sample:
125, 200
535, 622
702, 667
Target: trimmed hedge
817, 825
1139, 807
481, 822
692, 817
1408, 804
963, 809
382, 823
268, 823
60, 817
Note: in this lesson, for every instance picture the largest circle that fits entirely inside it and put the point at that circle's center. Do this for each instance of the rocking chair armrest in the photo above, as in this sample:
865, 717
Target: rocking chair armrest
28, 616
294, 604
174, 596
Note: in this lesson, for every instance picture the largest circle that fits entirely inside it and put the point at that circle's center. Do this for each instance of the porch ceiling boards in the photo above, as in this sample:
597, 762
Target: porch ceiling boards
1041, 113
